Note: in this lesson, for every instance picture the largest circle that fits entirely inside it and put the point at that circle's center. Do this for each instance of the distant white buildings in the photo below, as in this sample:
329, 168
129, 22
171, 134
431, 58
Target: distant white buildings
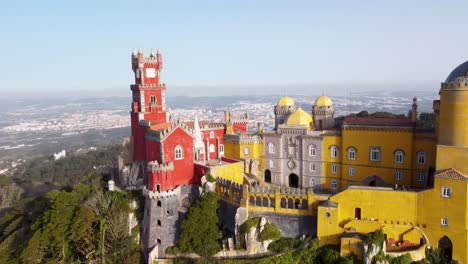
60, 154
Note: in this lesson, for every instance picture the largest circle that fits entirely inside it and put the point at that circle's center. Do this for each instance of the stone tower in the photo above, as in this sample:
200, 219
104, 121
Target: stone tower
283, 109
323, 112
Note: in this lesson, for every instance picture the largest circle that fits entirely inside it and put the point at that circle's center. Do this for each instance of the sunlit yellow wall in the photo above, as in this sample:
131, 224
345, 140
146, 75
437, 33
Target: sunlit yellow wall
428, 145
351, 245
236, 150
328, 161
432, 207
389, 141
328, 229
452, 157
231, 171
453, 127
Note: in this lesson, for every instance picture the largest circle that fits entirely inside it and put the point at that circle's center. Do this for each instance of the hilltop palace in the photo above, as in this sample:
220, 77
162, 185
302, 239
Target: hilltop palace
309, 175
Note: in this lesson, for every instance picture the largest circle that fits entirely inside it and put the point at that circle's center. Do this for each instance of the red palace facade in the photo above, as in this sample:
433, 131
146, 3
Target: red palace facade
168, 148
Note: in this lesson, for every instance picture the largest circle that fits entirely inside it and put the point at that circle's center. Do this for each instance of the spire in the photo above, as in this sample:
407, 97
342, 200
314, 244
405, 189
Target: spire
198, 139
140, 51
158, 52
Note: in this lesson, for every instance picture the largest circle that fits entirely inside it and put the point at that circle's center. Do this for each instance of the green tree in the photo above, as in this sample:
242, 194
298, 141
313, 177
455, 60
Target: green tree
200, 230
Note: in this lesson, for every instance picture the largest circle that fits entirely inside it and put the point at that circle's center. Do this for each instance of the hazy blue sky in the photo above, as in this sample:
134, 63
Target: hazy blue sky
332, 46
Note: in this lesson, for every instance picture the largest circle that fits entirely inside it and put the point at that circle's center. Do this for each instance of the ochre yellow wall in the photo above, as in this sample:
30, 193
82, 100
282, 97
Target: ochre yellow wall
328, 229
351, 245
452, 157
389, 141
453, 126
236, 151
232, 171
328, 161
432, 207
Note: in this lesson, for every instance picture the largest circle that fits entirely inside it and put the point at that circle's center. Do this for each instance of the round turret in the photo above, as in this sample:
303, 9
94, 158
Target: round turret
300, 117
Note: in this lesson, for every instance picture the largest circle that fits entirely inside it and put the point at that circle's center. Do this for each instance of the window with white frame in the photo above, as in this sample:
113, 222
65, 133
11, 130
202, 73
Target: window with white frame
352, 153
212, 134
271, 163
271, 148
446, 192
398, 175
444, 221
420, 176
291, 150
375, 154
246, 151
212, 148
421, 157
312, 167
334, 151
312, 150
179, 153
312, 182
334, 185
221, 148
399, 155
334, 169
351, 171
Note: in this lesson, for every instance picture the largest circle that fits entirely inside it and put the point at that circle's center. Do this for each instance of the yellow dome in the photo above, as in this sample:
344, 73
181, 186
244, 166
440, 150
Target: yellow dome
323, 101
286, 101
300, 117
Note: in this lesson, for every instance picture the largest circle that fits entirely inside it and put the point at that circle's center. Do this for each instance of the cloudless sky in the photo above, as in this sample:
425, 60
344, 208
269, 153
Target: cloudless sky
83, 47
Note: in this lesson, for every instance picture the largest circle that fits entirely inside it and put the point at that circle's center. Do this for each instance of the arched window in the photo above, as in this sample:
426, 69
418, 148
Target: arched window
212, 148
312, 150
334, 185
179, 153
399, 156
334, 151
312, 167
212, 134
398, 175
421, 157
271, 148
352, 153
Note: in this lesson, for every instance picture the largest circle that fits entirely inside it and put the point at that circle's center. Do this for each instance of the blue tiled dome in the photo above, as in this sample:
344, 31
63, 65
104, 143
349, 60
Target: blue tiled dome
460, 71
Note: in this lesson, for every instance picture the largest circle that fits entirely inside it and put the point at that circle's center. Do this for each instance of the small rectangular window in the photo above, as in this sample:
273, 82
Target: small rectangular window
312, 167
375, 154
444, 221
397, 175
246, 151
351, 171
334, 168
446, 192
420, 176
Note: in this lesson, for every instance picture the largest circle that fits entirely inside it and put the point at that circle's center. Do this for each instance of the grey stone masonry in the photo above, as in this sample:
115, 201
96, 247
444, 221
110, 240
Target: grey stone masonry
163, 216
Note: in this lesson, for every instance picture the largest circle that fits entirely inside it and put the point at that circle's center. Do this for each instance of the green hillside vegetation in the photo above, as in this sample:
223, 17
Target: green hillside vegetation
73, 225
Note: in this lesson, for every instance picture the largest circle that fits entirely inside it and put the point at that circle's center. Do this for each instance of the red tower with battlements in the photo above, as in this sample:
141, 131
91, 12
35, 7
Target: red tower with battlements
149, 101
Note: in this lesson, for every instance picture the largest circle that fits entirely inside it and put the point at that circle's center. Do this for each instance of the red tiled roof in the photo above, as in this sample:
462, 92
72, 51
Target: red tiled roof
451, 174
377, 121
160, 126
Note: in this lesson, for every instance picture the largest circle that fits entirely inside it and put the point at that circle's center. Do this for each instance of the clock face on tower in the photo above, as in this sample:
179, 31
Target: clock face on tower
150, 72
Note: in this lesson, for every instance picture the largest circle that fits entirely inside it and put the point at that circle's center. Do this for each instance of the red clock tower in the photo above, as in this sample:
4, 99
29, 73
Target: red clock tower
149, 103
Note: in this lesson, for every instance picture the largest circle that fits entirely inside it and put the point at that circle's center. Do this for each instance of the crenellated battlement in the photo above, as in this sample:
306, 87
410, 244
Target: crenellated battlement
248, 139
154, 166
460, 83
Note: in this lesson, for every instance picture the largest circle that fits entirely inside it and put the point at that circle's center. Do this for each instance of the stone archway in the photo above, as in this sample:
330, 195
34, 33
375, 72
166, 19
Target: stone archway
267, 176
374, 180
446, 247
293, 180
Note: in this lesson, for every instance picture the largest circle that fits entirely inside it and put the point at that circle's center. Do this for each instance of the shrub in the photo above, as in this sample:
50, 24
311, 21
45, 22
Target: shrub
269, 232
283, 244
251, 222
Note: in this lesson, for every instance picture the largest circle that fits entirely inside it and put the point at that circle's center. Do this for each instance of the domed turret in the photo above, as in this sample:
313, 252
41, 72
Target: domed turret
323, 101
285, 101
459, 74
323, 112
300, 117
